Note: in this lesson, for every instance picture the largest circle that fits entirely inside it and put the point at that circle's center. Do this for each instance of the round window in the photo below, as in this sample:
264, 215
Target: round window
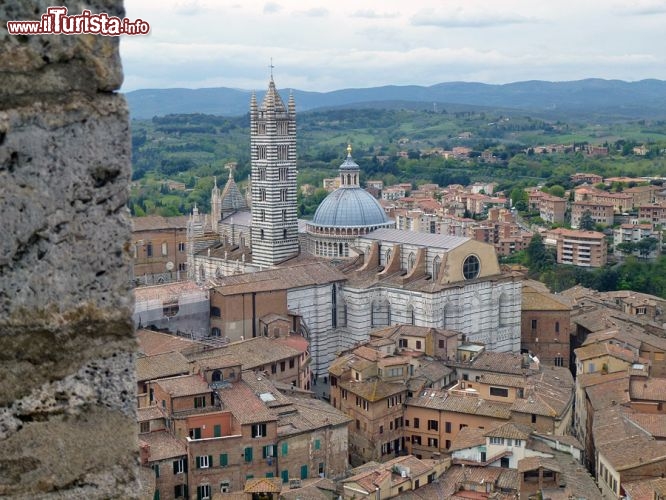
471, 267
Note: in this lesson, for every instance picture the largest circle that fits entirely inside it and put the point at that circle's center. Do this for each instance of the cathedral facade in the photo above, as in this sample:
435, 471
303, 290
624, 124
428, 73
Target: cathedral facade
382, 276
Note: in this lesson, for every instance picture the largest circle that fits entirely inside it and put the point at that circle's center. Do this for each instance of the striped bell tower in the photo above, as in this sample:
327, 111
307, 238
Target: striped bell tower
273, 153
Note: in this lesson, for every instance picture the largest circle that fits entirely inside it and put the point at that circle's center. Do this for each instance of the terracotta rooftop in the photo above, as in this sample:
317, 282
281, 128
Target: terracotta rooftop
185, 385
147, 413
444, 401
468, 437
456, 475
510, 430
163, 445
549, 393
532, 463
654, 423
313, 489
535, 298
295, 276
647, 489
652, 389
252, 353
590, 379
216, 359
591, 351
163, 365
311, 414
245, 405
373, 389
497, 362
608, 393
151, 343
622, 443
263, 485
155, 222
502, 380
169, 291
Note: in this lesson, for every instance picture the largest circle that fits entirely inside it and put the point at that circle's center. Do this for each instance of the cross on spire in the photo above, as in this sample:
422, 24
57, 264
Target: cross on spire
271, 67
231, 167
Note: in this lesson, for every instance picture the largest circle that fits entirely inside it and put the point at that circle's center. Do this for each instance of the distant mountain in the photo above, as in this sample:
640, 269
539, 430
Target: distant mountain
576, 99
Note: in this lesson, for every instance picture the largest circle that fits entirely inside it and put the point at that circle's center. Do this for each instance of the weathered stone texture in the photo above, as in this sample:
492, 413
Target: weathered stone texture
67, 423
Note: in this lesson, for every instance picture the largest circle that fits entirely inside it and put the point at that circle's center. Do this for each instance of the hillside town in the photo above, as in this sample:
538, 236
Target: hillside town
380, 350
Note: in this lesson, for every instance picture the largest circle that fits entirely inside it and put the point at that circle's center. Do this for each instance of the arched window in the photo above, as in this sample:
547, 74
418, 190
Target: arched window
261, 234
202, 272
284, 234
215, 332
387, 259
410, 315
505, 309
216, 376
348, 179
410, 261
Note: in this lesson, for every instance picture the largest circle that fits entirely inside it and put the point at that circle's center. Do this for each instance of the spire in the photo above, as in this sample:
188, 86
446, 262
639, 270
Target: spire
349, 150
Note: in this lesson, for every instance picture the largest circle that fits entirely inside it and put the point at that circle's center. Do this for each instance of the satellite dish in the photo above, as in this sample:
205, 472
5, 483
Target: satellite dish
169, 266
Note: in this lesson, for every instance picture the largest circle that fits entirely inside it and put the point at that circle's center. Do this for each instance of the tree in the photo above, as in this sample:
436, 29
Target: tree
538, 257
518, 194
586, 221
646, 246
626, 247
557, 190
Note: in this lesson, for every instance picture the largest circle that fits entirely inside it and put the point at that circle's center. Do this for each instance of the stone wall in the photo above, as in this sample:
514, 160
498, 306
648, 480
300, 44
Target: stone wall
67, 417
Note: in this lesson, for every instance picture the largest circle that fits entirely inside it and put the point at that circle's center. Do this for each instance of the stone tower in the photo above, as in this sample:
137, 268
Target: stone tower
273, 153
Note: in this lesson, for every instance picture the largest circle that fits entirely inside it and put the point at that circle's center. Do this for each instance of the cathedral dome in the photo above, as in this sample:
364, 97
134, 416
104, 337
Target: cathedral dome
350, 207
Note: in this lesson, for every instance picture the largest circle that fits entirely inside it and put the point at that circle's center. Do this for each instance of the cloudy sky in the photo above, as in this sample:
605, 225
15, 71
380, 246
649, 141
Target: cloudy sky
321, 46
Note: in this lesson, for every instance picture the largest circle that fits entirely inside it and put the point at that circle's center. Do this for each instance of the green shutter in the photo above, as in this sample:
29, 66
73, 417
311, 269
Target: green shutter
198, 462
269, 474
248, 454
304, 471
224, 460
275, 450
285, 449
317, 444
285, 476
210, 460
264, 451
156, 495
217, 431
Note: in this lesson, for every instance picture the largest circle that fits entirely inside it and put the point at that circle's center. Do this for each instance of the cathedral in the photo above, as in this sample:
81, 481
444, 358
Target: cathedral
383, 276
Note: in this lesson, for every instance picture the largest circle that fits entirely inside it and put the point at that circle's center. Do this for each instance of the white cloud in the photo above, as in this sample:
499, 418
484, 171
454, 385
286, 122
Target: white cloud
272, 7
459, 18
314, 12
326, 46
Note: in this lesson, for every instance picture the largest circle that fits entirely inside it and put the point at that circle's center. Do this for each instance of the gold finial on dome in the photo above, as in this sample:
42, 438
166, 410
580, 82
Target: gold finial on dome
349, 149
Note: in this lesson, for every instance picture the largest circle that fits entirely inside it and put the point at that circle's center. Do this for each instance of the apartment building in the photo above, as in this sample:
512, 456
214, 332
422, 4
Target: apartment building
654, 213
620, 202
633, 234
601, 213
580, 177
578, 248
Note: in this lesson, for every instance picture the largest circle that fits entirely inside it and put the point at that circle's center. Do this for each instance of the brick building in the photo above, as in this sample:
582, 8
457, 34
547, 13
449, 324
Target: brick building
159, 249
545, 324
